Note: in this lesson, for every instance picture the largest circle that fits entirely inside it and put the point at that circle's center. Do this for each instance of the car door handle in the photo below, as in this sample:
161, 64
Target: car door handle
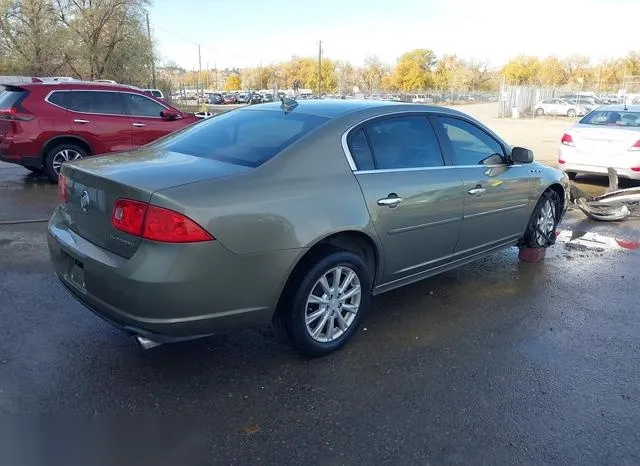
139, 125
390, 201
83, 122
477, 191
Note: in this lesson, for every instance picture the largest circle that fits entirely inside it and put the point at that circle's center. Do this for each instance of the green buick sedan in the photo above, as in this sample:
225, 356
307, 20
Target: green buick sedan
292, 214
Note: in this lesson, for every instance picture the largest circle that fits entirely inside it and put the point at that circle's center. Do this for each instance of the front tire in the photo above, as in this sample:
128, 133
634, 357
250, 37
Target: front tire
539, 112
58, 155
541, 230
326, 302
572, 175
571, 113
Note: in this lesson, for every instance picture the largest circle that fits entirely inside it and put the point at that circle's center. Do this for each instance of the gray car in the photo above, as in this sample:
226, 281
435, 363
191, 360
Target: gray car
293, 214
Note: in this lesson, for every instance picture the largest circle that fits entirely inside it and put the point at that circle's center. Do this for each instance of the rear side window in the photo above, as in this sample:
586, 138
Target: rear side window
10, 96
404, 142
107, 103
246, 137
360, 151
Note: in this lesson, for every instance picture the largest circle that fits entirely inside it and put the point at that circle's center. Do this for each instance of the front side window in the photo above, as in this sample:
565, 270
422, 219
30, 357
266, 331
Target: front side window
246, 137
404, 142
470, 145
139, 105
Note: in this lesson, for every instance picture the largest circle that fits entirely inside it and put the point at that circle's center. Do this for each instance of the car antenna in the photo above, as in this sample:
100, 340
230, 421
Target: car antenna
288, 104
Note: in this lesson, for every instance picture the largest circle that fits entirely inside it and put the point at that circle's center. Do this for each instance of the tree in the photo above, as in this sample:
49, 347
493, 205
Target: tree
551, 72
450, 73
521, 70
232, 83
373, 73
478, 75
574, 67
631, 64
30, 36
414, 70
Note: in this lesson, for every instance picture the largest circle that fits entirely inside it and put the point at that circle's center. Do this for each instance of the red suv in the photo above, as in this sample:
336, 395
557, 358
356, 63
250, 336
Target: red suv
43, 125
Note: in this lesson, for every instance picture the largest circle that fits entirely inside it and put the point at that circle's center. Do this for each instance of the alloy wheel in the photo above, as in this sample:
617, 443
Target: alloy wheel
333, 304
65, 155
546, 222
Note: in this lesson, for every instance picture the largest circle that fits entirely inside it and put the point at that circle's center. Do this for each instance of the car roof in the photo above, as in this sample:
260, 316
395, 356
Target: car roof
67, 85
618, 108
333, 107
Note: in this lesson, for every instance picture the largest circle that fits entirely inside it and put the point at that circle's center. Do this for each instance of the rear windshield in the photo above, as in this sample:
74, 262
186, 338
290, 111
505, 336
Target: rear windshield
246, 137
9, 97
612, 118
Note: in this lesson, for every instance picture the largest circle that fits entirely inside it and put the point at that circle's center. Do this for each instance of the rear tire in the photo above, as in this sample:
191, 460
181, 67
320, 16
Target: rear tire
60, 154
571, 113
572, 175
545, 217
539, 112
317, 315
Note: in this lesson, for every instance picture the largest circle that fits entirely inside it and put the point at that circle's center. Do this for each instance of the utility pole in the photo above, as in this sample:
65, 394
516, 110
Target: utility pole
200, 73
153, 59
319, 68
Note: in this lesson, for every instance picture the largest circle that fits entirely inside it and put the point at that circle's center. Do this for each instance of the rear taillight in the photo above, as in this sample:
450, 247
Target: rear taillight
560, 161
62, 189
567, 140
156, 223
635, 169
15, 114
636, 146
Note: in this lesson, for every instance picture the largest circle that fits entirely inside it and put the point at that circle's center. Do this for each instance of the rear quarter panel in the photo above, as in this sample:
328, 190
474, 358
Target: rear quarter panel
306, 193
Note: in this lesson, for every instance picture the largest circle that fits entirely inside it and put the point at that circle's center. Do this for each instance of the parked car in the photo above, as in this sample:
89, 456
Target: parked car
230, 99
221, 225
266, 97
588, 101
560, 107
607, 137
157, 93
215, 99
243, 98
255, 98
43, 125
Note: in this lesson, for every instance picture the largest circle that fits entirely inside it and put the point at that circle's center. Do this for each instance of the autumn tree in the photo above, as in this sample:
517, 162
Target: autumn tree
232, 83
414, 70
551, 72
522, 70
372, 74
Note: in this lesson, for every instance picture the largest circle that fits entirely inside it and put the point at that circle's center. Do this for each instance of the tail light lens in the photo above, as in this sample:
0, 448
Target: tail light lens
567, 140
636, 146
156, 223
62, 189
635, 169
14, 114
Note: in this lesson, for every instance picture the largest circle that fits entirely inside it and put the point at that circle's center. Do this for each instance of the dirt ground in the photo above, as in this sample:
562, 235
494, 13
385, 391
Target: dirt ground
542, 135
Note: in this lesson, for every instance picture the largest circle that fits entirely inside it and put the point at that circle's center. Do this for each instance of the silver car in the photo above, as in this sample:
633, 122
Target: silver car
606, 137
561, 107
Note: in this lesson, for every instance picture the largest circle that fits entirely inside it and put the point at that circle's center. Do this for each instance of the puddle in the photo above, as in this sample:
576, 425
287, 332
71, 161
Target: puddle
595, 242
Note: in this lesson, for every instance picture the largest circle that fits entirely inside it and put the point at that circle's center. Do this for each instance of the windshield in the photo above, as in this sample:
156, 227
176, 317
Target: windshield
612, 118
247, 137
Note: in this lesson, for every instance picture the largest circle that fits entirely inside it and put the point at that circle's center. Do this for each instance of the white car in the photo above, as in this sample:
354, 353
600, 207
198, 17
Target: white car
560, 107
607, 137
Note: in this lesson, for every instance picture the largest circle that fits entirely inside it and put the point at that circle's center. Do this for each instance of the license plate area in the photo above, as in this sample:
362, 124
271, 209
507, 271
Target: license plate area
75, 272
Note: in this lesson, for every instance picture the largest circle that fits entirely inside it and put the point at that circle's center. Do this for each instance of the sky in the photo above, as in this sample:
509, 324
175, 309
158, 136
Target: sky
246, 33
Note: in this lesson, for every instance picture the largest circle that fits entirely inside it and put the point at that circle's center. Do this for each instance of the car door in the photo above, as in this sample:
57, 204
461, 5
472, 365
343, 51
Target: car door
98, 117
414, 200
146, 121
496, 193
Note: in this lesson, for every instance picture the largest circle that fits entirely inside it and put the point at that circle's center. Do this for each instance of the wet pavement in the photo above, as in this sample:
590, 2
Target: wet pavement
498, 362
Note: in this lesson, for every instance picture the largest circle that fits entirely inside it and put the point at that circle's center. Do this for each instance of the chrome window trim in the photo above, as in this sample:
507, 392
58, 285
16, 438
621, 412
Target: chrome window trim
46, 99
354, 168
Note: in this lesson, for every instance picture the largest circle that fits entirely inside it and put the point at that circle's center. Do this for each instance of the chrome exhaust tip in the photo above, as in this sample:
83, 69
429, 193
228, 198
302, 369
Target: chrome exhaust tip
146, 343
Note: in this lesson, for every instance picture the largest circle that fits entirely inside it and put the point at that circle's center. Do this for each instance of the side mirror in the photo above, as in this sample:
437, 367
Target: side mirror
169, 114
521, 155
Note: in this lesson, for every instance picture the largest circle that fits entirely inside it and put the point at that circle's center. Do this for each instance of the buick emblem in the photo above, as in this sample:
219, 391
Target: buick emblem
85, 201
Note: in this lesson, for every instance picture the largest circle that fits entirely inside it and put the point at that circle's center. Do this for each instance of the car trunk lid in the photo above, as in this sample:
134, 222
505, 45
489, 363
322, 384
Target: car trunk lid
93, 186
601, 140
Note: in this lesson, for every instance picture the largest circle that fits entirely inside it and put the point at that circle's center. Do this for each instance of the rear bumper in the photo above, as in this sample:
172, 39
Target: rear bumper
19, 152
568, 167
25, 160
169, 292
